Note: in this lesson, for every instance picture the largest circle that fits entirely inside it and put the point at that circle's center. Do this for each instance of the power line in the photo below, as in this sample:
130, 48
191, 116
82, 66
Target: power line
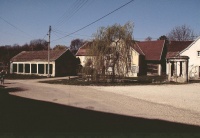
71, 12
63, 33
95, 20
15, 27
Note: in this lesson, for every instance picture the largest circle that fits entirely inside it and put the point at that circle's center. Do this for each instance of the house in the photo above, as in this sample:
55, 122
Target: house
190, 49
138, 64
147, 57
83, 54
154, 53
61, 63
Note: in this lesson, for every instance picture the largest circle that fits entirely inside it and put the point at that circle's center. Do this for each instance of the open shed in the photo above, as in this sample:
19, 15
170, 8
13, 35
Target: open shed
61, 63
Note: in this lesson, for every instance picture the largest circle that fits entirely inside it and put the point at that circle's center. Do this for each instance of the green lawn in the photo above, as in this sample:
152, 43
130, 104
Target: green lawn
26, 117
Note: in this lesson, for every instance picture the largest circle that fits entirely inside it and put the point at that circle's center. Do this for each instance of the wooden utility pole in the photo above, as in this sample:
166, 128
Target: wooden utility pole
49, 52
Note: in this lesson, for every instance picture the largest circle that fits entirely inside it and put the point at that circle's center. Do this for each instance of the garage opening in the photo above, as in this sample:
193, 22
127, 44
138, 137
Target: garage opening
33, 68
50, 68
40, 68
27, 68
14, 67
21, 68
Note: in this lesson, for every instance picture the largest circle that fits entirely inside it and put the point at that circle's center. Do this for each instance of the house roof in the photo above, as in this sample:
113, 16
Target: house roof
152, 49
175, 47
197, 39
38, 55
136, 47
82, 51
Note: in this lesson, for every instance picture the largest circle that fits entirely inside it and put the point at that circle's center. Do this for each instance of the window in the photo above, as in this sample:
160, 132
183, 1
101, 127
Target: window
198, 53
14, 67
21, 68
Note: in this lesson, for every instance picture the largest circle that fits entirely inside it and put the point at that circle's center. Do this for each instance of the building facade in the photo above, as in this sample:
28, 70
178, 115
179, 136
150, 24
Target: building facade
61, 63
190, 49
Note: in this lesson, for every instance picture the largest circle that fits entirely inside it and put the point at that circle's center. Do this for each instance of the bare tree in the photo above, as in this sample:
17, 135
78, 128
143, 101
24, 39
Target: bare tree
60, 47
112, 50
75, 45
149, 38
38, 44
181, 33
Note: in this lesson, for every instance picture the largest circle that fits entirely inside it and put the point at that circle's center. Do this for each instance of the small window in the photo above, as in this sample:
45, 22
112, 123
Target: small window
198, 53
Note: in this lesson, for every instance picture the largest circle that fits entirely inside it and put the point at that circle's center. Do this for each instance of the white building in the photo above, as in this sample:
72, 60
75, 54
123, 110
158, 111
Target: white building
186, 48
61, 63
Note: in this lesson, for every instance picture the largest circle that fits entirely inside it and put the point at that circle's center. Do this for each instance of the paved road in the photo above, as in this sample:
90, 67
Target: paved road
153, 102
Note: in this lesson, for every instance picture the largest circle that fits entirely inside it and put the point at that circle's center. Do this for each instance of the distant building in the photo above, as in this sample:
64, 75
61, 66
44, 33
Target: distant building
83, 54
190, 49
154, 53
62, 63
147, 57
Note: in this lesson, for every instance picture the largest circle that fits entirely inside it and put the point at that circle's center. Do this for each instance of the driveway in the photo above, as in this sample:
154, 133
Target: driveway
175, 103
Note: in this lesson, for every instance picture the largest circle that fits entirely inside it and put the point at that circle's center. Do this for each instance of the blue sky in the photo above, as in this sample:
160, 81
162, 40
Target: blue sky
24, 20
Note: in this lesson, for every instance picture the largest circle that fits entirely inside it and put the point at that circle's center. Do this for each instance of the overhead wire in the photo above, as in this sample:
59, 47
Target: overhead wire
64, 33
17, 28
71, 12
56, 34
95, 20
64, 16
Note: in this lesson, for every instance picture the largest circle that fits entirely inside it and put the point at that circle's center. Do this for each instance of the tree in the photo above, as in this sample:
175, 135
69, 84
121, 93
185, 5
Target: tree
112, 50
38, 44
181, 33
149, 38
164, 37
75, 45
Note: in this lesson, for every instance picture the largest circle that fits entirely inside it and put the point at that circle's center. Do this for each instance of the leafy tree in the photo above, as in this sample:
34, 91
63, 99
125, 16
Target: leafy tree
111, 49
181, 33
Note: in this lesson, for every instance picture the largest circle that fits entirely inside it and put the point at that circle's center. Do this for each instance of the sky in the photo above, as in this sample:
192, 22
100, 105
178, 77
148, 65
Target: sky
24, 20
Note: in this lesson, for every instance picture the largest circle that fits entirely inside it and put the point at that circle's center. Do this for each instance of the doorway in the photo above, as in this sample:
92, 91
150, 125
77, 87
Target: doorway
199, 71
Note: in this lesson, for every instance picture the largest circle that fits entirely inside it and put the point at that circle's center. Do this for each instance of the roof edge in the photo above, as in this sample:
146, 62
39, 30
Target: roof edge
139, 48
61, 54
162, 50
190, 45
81, 47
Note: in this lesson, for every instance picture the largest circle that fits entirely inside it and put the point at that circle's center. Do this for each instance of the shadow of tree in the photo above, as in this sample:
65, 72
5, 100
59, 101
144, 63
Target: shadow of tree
25, 116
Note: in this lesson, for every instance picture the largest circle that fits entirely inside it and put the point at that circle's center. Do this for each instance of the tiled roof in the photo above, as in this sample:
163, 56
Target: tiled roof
37, 55
175, 47
82, 51
137, 48
152, 49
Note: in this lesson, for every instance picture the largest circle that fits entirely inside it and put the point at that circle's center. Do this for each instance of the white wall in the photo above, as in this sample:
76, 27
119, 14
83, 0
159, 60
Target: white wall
194, 61
83, 59
23, 63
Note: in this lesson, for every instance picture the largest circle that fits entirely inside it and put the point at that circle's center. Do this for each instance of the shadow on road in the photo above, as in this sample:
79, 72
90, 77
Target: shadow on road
25, 116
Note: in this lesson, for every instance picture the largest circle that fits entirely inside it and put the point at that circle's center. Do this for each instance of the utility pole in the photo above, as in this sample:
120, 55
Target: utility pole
49, 51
